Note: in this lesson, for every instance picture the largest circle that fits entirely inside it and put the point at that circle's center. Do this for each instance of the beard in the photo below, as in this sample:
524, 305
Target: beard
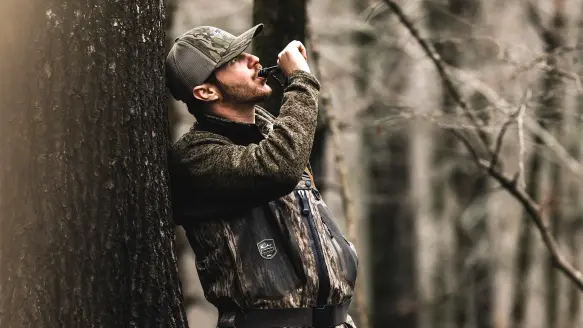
242, 93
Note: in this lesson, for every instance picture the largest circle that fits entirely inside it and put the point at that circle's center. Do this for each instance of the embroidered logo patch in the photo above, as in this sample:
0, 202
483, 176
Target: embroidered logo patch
267, 248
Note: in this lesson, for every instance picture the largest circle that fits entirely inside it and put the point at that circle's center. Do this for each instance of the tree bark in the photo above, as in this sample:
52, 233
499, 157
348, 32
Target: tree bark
87, 237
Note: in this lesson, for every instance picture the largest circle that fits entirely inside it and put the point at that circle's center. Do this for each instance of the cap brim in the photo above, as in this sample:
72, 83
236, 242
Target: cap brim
240, 44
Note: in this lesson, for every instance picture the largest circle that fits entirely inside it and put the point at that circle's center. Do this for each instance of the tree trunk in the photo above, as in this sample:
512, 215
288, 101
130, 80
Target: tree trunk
87, 237
553, 112
285, 21
574, 131
461, 192
549, 115
391, 214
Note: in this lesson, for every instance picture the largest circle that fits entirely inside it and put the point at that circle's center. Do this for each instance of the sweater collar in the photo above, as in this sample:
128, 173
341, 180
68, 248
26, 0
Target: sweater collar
238, 132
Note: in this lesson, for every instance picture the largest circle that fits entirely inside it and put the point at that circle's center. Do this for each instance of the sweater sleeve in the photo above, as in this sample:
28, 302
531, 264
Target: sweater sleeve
220, 172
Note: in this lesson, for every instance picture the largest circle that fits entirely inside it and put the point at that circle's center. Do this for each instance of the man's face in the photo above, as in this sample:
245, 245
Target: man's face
238, 81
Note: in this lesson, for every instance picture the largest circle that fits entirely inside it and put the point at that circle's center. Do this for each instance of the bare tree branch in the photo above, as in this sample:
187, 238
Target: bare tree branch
372, 8
442, 70
532, 125
535, 213
521, 147
513, 117
541, 62
466, 143
499, 103
500, 138
509, 184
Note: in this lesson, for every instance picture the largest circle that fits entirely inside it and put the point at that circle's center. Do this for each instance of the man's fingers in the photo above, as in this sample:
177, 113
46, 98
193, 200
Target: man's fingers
292, 46
303, 51
301, 48
288, 59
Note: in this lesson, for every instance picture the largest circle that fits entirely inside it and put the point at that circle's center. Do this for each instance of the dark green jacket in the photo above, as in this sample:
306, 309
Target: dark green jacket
262, 235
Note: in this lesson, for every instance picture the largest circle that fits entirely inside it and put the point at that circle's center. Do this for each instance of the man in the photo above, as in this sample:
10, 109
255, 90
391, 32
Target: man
268, 252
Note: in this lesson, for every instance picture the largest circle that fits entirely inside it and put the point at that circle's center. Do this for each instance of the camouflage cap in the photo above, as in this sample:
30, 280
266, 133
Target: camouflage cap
198, 52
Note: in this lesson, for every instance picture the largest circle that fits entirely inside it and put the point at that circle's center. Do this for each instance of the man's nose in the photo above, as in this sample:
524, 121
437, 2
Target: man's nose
252, 61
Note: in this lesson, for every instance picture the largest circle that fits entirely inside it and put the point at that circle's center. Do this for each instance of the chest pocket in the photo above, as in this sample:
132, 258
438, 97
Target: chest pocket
265, 262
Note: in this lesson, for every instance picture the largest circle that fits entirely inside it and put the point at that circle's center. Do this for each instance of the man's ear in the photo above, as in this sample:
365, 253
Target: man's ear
206, 92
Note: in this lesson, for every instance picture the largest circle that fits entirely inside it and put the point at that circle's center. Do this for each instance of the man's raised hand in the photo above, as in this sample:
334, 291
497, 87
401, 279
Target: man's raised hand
293, 57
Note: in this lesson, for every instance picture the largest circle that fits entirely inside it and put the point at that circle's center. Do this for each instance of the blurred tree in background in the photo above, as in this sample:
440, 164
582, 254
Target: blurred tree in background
284, 21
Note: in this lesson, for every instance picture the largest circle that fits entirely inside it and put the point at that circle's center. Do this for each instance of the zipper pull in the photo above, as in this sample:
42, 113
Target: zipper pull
305, 205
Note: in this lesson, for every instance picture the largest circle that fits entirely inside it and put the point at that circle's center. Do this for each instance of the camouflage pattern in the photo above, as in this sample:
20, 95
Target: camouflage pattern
218, 45
236, 189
